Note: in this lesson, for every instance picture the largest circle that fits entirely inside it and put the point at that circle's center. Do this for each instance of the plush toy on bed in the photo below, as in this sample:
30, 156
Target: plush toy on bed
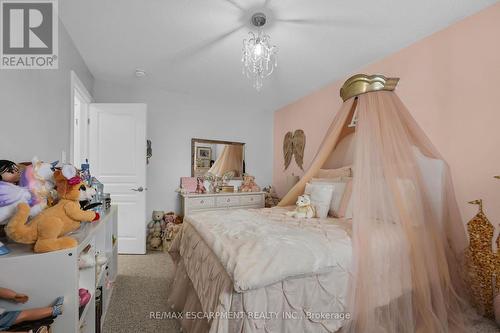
303, 209
48, 229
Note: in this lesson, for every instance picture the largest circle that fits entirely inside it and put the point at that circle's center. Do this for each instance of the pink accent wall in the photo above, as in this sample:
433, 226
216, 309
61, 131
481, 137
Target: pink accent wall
449, 81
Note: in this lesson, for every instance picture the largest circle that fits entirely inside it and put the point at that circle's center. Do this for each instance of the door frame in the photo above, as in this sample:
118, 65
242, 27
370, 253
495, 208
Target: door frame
77, 85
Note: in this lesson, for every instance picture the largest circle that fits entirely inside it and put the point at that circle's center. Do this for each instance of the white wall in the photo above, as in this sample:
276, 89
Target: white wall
35, 106
173, 119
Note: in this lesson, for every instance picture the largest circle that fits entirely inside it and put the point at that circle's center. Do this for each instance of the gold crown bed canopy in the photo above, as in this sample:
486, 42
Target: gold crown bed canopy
392, 207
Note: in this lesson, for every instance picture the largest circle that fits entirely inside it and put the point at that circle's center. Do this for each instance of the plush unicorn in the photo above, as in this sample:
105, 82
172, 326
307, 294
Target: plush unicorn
35, 188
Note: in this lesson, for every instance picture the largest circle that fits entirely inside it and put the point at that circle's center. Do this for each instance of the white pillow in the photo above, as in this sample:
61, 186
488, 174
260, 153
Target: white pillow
321, 197
339, 185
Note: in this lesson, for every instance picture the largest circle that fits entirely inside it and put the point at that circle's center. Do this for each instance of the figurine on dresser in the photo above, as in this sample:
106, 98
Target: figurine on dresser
482, 262
200, 185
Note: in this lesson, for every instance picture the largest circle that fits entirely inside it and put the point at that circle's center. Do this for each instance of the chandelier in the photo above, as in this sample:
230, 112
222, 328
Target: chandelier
259, 57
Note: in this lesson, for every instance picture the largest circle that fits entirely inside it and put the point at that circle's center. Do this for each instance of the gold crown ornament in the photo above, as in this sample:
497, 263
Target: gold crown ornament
362, 83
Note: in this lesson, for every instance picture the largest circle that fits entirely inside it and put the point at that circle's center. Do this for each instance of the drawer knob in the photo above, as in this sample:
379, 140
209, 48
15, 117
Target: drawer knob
228, 200
251, 199
202, 201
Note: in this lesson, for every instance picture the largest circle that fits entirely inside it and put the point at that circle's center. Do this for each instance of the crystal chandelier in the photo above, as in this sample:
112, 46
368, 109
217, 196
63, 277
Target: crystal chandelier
259, 57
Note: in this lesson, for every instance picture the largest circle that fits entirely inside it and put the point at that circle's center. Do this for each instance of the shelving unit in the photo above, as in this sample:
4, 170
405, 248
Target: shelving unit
46, 276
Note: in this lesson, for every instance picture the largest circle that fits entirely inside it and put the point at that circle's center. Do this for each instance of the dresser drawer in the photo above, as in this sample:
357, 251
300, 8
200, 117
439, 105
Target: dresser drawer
227, 201
201, 203
250, 200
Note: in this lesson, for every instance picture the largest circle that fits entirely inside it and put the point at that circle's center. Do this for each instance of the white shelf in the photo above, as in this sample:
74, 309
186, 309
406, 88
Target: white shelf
45, 276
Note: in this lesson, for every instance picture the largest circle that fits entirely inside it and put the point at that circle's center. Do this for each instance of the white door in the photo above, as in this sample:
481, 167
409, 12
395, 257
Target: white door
117, 156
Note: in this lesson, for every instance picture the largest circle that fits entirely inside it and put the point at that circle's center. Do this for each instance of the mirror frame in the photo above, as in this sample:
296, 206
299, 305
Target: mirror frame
197, 140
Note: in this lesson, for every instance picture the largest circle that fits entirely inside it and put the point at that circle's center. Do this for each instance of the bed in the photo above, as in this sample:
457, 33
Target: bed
261, 271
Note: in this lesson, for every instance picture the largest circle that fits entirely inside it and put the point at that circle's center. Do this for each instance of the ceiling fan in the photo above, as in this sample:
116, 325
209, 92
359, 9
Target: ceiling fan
246, 21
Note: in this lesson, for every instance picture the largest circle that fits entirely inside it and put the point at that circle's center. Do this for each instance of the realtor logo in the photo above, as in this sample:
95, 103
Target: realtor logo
29, 34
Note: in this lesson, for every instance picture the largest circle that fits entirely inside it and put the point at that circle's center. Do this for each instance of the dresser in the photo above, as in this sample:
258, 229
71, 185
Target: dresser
192, 202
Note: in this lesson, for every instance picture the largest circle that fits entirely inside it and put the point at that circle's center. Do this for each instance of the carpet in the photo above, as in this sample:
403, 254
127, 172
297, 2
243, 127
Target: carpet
139, 300
141, 288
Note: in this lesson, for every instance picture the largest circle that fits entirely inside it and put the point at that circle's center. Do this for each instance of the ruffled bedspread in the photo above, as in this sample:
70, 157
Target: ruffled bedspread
295, 273
263, 246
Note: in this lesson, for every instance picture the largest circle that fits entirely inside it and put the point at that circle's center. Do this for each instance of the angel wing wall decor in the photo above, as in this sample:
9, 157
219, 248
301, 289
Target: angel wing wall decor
294, 145
288, 149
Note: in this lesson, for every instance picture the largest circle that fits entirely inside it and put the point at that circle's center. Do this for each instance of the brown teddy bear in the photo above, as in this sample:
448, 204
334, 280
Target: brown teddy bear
249, 184
48, 228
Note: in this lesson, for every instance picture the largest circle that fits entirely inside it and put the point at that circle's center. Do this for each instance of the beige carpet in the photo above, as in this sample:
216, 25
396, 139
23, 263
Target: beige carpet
142, 288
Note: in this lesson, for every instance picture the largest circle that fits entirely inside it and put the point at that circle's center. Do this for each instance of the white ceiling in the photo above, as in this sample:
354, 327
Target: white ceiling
194, 46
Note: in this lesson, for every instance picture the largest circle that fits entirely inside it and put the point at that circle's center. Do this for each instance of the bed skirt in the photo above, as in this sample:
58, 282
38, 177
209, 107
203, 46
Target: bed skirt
183, 300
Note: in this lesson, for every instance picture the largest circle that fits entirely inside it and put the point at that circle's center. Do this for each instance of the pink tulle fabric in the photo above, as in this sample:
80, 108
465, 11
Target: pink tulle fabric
407, 269
406, 255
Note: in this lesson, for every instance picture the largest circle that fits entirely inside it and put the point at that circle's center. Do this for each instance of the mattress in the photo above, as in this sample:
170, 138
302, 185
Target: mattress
261, 271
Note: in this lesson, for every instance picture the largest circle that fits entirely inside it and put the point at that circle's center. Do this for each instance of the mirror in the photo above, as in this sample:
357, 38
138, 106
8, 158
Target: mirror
218, 158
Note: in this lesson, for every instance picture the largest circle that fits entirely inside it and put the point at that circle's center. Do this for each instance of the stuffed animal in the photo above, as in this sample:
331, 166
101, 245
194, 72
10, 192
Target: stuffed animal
173, 227
303, 209
10, 196
157, 225
169, 217
249, 184
271, 197
155, 242
39, 179
36, 186
87, 194
172, 230
48, 229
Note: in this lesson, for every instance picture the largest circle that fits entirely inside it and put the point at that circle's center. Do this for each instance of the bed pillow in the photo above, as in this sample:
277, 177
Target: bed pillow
339, 185
345, 208
334, 173
321, 197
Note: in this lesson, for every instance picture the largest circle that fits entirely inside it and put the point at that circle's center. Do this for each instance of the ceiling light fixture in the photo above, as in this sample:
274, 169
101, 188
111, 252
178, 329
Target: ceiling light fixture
259, 57
140, 73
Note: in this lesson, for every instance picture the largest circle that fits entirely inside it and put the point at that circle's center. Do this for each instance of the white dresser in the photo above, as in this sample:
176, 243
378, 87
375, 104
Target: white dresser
193, 202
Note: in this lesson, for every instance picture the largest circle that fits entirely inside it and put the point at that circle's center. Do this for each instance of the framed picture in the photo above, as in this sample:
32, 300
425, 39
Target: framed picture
204, 153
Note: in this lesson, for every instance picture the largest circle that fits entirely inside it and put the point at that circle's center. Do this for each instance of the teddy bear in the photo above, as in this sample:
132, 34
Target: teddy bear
249, 184
271, 197
157, 225
155, 242
48, 229
303, 209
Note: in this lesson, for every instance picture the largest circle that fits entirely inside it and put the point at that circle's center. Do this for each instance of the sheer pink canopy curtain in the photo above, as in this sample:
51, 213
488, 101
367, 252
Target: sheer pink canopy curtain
231, 159
407, 272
